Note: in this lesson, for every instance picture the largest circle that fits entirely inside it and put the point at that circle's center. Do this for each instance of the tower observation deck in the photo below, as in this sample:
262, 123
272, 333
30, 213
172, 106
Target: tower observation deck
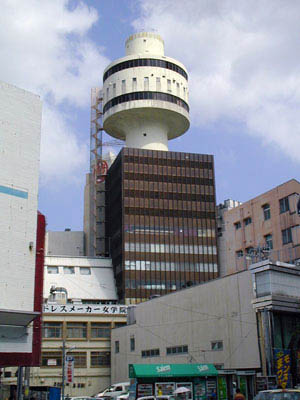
145, 95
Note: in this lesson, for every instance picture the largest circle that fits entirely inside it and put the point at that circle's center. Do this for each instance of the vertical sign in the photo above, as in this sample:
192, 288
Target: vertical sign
69, 365
283, 367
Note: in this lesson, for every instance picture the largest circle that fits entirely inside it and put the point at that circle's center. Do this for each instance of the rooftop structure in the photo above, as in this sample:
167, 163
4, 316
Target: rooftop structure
145, 95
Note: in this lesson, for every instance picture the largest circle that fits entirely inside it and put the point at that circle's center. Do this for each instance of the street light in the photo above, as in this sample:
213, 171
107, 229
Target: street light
64, 353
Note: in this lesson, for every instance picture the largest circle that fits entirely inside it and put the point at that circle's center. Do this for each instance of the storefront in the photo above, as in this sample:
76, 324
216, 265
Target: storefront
164, 379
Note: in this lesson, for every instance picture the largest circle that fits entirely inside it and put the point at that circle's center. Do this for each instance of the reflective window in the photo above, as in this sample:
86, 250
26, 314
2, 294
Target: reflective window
85, 271
143, 96
52, 270
100, 358
286, 236
144, 62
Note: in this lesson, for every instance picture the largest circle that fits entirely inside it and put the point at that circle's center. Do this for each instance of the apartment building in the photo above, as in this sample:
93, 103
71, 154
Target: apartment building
267, 226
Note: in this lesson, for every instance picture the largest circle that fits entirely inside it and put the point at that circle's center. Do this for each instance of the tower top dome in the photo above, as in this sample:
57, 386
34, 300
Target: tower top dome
145, 43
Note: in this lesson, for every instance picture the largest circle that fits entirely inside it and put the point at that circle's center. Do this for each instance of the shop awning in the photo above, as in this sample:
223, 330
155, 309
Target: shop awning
171, 370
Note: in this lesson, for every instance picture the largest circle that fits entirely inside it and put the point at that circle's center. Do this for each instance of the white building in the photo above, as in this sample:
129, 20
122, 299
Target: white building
20, 121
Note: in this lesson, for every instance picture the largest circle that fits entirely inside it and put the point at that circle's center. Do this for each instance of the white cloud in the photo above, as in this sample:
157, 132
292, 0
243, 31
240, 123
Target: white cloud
45, 48
243, 62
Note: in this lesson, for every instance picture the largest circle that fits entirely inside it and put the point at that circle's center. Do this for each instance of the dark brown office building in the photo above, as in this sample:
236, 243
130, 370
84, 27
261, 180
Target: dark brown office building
160, 221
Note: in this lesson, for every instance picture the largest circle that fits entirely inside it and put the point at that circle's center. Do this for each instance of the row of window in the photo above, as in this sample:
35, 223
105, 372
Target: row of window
283, 207
156, 157
68, 270
158, 212
123, 98
97, 359
168, 195
144, 62
142, 265
169, 248
172, 350
78, 330
185, 180
134, 87
165, 230
286, 238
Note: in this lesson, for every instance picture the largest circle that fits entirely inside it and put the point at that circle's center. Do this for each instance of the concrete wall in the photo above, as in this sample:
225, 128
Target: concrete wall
218, 310
20, 121
65, 243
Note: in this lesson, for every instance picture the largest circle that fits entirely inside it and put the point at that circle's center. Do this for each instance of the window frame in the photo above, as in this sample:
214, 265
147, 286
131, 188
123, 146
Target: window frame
57, 326
287, 236
269, 238
97, 355
83, 327
100, 326
219, 345
266, 211
284, 205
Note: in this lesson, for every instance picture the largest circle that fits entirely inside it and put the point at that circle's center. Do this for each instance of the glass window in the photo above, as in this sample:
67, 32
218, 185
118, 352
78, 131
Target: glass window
76, 329
52, 270
132, 344
287, 236
284, 204
217, 345
134, 84
117, 346
239, 253
123, 86
158, 84
146, 83
79, 359
247, 221
52, 359
100, 359
100, 330
169, 85
52, 330
267, 211
114, 90
177, 350
69, 270
85, 271
269, 241
238, 225
150, 353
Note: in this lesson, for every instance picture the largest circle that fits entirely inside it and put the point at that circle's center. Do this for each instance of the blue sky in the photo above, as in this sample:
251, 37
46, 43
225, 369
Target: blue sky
244, 79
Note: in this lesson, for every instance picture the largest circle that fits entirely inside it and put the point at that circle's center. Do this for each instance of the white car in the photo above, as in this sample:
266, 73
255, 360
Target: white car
114, 391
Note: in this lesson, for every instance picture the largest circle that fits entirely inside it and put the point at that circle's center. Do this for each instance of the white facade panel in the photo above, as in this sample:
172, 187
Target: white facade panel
20, 124
97, 284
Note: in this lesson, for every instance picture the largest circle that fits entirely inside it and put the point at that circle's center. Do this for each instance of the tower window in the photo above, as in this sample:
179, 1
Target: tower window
169, 85
114, 89
146, 83
123, 86
158, 84
178, 89
284, 205
134, 84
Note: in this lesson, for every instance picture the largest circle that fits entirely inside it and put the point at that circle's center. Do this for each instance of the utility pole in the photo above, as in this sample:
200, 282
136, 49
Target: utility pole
63, 370
20, 383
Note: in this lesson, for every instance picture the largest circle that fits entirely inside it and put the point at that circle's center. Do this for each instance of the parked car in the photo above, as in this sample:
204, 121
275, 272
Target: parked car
278, 394
114, 391
163, 397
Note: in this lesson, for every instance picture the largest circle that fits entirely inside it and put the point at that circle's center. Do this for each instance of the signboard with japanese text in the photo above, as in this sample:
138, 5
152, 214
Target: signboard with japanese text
84, 309
69, 366
282, 359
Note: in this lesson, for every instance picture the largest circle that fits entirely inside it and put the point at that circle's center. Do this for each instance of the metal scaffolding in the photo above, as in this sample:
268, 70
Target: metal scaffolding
98, 170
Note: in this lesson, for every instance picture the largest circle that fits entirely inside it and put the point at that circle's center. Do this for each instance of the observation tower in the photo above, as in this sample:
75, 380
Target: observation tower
145, 95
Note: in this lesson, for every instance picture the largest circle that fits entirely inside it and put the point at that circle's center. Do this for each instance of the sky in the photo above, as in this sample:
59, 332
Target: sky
244, 85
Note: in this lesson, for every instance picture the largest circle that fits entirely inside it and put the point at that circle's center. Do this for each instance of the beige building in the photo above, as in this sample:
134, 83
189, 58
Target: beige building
266, 226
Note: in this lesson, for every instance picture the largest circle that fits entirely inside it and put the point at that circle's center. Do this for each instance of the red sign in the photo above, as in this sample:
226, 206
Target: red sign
69, 369
100, 171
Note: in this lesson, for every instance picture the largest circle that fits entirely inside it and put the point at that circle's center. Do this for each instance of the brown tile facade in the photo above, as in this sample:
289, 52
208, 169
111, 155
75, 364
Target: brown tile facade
160, 221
